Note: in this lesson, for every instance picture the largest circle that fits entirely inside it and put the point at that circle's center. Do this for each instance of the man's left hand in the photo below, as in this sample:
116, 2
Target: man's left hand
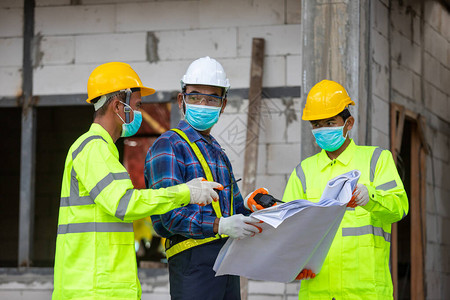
361, 195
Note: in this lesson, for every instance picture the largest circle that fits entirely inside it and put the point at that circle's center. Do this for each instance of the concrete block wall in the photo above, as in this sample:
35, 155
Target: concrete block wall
11, 47
379, 104
160, 38
278, 140
420, 63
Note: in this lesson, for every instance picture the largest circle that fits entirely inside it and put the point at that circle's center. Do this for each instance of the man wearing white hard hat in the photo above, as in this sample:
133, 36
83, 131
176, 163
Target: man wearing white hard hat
195, 234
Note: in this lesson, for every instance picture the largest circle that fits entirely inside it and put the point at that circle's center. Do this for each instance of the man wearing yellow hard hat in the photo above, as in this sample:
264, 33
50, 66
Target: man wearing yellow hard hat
95, 257
357, 265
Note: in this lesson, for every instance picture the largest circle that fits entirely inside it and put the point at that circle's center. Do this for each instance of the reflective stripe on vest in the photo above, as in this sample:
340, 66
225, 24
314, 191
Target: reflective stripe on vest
76, 200
301, 176
368, 229
95, 227
387, 186
373, 162
189, 243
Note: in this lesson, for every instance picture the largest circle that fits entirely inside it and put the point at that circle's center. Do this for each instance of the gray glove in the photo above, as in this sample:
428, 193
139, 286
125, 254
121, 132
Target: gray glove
239, 226
202, 191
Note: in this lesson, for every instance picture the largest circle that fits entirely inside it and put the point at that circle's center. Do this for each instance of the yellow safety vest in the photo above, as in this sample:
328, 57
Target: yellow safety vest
357, 265
189, 243
95, 256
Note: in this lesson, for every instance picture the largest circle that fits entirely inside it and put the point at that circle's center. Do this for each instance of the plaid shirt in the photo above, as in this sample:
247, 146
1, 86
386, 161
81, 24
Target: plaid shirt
171, 161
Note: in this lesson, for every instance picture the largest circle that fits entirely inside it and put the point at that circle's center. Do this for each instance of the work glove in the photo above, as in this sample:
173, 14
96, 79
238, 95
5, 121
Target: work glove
305, 274
202, 191
239, 226
352, 202
361, 194
250, 203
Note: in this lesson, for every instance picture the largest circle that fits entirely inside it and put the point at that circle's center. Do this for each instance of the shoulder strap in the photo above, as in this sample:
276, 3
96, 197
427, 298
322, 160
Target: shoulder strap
197, 152
204, 164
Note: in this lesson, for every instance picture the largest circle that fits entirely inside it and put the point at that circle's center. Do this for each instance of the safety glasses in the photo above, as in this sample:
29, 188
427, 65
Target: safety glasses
198, 98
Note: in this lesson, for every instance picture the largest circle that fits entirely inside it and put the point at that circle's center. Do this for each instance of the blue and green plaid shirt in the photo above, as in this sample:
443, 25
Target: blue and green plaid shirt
171, 161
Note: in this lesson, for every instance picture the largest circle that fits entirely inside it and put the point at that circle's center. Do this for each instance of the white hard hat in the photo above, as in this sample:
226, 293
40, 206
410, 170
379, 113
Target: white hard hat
206, 71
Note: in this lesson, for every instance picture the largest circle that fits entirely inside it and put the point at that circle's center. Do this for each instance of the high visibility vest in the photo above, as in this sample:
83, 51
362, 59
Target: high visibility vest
171, 250
357, 265
95, 256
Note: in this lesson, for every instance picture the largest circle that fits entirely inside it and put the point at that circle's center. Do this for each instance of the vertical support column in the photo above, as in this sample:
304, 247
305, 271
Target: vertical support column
27, 181
334, 48
28, 143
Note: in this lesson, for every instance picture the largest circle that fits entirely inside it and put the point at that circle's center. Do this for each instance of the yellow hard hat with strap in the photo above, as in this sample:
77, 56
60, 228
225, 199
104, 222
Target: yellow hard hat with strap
326, 99
112, 77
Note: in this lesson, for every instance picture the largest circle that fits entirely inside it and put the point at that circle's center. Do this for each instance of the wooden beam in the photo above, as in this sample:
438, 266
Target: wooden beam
417, 288
253, 123
394, 241
421, 130
393, 129
399, 131
423, 197
153, 123
419, 150
253, 115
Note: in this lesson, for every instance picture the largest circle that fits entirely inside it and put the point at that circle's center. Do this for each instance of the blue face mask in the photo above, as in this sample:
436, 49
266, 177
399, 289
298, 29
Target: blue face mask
130, 129
201, 117
330, 138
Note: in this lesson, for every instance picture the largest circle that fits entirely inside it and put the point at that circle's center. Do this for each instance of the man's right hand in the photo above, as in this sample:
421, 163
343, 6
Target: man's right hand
239, 226
251, 204
202, 191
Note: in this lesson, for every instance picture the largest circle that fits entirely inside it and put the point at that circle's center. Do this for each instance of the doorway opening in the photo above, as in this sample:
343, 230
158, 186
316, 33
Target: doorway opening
409, 148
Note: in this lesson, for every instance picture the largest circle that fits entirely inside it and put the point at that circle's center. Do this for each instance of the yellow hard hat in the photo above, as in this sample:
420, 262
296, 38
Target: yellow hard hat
113, 77
326, 99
